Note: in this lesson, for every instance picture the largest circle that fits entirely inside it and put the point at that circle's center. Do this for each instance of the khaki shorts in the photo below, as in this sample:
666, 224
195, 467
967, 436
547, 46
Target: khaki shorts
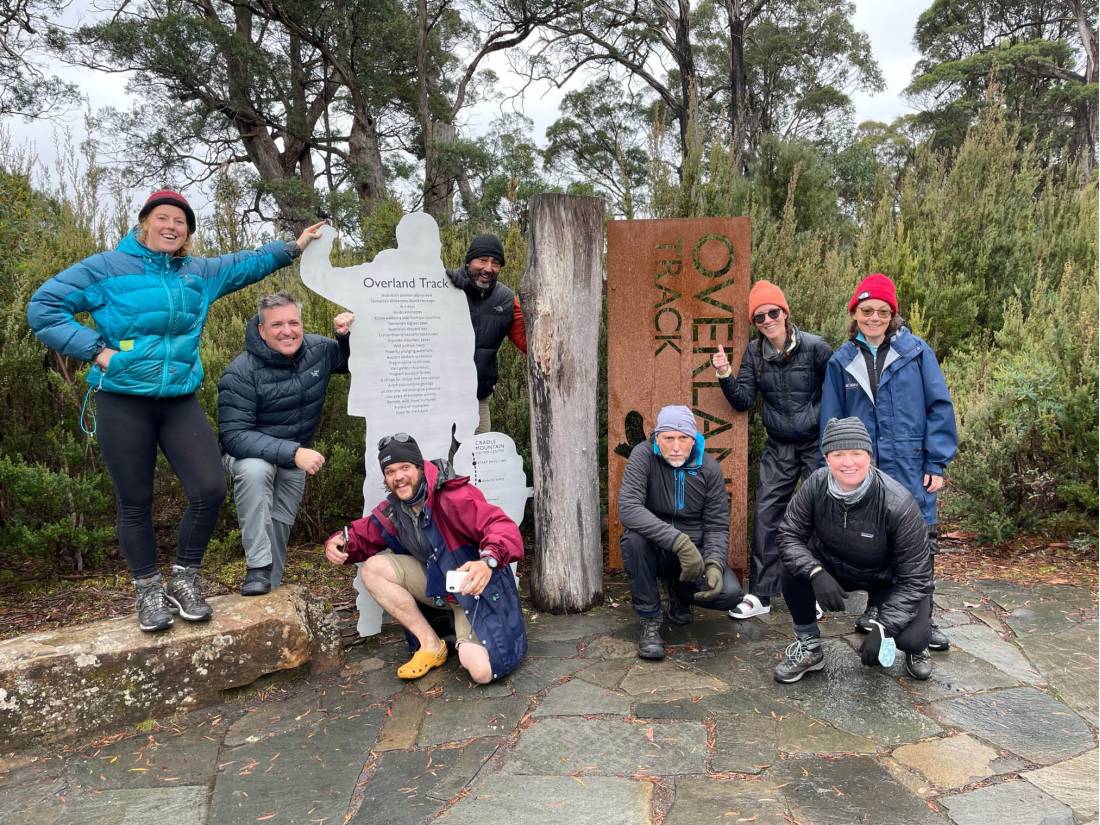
412, 576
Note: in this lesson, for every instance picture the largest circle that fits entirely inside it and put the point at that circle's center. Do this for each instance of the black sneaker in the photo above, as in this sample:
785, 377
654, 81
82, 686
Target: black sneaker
938, 639
919, 665
152, 606
184, 594
802, 656
257, 581
650, 643
679, 612
863, 623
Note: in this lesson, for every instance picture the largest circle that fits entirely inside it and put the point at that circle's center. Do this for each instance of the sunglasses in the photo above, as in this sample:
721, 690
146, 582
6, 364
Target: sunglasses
401, 438
759, 317
868, 312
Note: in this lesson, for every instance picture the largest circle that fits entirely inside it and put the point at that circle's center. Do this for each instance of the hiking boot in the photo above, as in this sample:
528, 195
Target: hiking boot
679, 612
650, 643
257, 581
152, 606
802, 656
186, 597
863, 623
938, 639
919, 665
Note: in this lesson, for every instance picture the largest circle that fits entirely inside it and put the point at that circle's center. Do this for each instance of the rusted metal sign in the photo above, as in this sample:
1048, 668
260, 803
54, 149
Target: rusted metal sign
676, 291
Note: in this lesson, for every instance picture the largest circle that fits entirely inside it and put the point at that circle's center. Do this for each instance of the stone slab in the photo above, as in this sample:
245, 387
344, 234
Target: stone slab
700, 801
610, 647
1069, 662
799, 733
410, 787
957, 673
744, 744
301, 776
985, 643
951, 762
552, 800
144, 806
860, 700
574, 627
164, 759
1011, 595
668, 679
609, 748
580, 698
454, 682
956, 596
849, 791
26, 802
1010, 803
273, 718
451, 721
402, 724
607, 674
1025, 721
81, 679
1044, 618
1073, 782
535, 675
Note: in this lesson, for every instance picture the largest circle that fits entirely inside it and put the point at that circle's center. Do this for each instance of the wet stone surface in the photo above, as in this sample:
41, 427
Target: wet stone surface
580, 698
985, 643
951, 762
701, 801
459, 721
1073, 782
1010, 803
1023, 720
552, 800
145, 806
852, 790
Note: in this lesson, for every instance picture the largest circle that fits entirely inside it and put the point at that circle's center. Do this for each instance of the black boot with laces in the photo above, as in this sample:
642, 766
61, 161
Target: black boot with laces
152, 606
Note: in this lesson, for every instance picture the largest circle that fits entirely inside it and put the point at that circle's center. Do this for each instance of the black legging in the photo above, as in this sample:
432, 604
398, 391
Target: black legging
129, 428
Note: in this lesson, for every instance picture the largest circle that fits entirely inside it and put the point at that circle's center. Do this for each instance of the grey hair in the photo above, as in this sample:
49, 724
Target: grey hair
279, 299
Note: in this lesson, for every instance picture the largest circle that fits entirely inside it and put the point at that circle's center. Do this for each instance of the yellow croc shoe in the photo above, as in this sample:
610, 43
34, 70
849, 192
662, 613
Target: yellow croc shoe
422, 661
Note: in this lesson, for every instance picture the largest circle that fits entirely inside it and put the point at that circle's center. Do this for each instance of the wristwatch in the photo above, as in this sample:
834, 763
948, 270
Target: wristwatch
490, 560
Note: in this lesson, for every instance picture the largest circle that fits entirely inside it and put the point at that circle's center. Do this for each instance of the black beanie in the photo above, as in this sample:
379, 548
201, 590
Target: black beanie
845, 434
396, 452
485, 245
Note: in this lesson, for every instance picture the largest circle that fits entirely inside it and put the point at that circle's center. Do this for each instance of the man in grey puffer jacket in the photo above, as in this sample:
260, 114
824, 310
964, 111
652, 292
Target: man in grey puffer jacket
675, 510
270, 399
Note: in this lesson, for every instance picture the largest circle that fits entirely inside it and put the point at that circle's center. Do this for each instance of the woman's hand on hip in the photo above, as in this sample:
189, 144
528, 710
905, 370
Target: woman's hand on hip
103, 358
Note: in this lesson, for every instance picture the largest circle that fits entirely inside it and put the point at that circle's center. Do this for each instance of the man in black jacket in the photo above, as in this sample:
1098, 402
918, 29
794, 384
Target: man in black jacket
494, 312
270, 399
675, 510
851, 527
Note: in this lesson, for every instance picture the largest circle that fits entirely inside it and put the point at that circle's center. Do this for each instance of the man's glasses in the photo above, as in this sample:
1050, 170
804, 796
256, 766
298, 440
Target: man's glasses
384, 441
868, 312
759, 317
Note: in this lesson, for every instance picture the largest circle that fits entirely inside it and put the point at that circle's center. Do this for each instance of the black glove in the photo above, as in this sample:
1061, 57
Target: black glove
827, 591
691, 560
868, 651
714, 582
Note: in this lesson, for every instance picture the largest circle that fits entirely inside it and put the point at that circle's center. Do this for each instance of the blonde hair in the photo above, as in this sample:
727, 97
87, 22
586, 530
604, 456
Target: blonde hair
143, 235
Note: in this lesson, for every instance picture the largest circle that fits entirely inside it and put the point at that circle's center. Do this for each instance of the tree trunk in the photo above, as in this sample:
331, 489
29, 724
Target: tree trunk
365, 157
561, 294
439, 178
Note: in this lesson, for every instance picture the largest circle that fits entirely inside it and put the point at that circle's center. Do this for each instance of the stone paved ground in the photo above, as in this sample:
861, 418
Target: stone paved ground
1004, 733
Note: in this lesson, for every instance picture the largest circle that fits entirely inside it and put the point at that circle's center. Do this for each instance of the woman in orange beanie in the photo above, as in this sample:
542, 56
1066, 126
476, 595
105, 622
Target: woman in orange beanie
787, 367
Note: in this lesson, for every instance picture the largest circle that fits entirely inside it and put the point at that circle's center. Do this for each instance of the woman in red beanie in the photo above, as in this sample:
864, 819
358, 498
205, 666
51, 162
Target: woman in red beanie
890, 379
787, 367
149, 299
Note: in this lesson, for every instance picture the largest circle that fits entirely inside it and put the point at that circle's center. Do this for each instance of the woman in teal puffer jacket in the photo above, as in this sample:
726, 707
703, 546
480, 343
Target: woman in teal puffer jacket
149, 299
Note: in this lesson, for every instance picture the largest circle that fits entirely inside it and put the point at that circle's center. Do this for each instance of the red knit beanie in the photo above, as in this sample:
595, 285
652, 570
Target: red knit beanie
167, 196
876, 286
765, 292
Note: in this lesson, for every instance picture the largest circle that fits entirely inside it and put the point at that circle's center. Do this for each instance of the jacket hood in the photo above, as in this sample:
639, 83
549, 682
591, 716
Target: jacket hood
258, 347
695, 457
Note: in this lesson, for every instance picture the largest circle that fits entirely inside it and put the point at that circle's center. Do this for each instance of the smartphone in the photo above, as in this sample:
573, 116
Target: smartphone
454, 580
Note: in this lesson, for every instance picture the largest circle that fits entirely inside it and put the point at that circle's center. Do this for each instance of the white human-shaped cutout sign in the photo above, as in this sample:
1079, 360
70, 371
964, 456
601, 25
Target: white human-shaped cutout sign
412, 366
496, 468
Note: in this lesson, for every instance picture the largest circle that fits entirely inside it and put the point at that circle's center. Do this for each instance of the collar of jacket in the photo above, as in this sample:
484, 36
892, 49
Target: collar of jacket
695, 457
772, 354
258, 346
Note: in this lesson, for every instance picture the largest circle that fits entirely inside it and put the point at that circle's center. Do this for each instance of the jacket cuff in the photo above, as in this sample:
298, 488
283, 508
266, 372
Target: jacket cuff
293, 250
934, 469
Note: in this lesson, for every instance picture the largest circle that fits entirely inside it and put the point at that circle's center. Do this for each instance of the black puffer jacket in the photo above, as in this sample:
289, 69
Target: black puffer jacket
269, 405
492, 312
660, 501
790, 383
881, 541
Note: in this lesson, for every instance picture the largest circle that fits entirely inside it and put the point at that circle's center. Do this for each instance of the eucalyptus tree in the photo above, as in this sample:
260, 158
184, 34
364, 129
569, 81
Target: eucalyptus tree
1041, 54
26, 87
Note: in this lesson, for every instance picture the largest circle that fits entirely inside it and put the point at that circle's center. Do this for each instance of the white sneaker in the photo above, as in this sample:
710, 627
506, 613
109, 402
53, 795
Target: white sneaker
750, 606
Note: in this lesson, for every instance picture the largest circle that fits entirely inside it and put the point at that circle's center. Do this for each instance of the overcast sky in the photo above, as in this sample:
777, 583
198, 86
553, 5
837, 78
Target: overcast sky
889, 23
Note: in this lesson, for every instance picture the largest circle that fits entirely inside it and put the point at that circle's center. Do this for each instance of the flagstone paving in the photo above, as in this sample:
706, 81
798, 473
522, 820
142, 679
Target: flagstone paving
1004, 732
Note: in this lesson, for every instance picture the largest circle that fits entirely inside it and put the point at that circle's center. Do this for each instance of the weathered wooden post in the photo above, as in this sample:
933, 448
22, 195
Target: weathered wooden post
561, 294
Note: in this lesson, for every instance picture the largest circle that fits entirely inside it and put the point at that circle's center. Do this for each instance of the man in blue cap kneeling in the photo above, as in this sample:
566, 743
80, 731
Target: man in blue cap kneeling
675, 513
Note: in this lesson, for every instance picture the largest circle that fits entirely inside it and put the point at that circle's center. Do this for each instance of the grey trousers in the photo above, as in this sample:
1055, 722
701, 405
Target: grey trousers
484, 421
267, 499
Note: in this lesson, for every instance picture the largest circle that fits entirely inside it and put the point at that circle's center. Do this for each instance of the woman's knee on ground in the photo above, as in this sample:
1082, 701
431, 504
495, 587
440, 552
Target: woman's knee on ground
475, 659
